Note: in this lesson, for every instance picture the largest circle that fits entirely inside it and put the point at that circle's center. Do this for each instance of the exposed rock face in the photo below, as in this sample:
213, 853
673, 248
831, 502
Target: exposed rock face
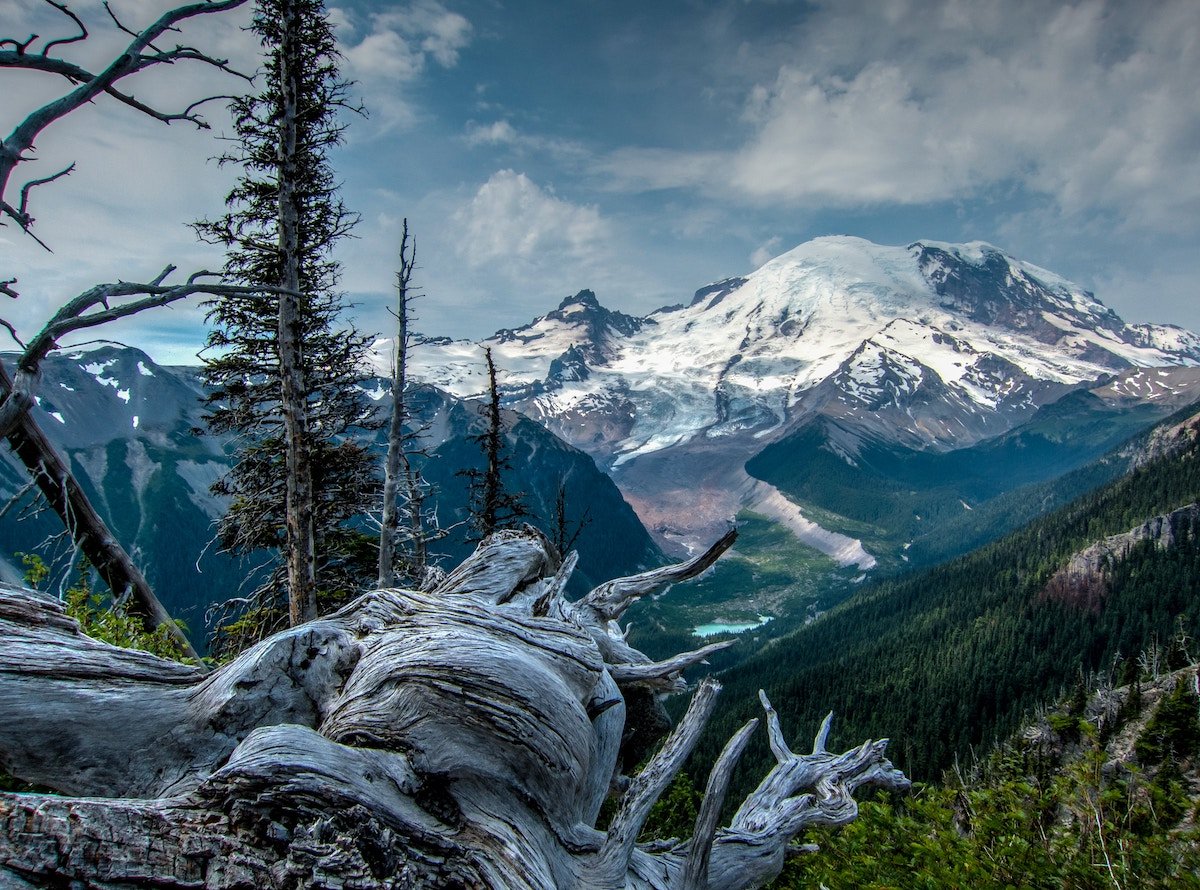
464, 737
1083, 578
1169, 440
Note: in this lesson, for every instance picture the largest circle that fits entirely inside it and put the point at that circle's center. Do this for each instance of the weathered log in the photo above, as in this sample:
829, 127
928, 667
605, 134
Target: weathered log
463, 737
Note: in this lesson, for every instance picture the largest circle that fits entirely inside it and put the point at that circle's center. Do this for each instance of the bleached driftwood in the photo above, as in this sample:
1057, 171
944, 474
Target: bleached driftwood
462, 737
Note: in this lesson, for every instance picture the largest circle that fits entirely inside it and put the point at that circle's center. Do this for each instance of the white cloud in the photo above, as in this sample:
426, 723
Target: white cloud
391, 49
443, 34
766, 251
514, 224
502, 134
1092, 105
496, 133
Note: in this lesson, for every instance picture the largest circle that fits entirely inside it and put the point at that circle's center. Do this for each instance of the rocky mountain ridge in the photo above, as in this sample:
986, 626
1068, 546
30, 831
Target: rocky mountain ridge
931, 346
131, 430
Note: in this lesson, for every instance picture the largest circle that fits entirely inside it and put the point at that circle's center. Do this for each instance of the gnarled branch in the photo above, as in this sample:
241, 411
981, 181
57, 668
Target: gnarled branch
611, 599
137, 56
453, 738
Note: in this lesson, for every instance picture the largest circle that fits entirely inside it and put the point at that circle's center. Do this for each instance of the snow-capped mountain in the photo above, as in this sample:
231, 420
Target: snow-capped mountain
929, 346
127, 424
934, 345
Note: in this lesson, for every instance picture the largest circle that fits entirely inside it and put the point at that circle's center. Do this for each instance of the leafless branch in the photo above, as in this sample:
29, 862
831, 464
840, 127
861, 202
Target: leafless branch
16, 498
12, 332
20, 47
82, 35
695, 870
94, 307
21, 213
667, 675
141, 53
649, 784
34, 183
611, 599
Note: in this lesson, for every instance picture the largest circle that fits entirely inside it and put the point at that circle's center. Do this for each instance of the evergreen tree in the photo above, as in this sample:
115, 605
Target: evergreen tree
492, 506
284, 372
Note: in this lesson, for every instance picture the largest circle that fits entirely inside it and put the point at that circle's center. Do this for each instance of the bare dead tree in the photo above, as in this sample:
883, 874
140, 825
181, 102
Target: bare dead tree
566, 530
142, 53
403, 484
492, 505
461, 737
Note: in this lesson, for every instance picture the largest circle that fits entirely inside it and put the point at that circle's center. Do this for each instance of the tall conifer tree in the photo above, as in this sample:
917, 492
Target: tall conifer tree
492, 506
283, 372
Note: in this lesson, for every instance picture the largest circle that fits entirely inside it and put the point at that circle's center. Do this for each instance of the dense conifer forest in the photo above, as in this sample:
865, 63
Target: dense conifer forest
947, 661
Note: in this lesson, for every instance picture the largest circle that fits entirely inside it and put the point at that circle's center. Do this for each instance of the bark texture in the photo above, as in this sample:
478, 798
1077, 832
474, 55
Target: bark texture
461, 737
301, 543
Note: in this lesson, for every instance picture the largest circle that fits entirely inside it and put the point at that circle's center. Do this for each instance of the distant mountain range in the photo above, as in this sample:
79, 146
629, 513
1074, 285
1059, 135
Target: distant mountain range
929, 347
885, 407
130, 430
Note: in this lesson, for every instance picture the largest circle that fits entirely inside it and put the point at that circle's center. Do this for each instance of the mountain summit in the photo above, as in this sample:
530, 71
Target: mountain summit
929, 347
933, 345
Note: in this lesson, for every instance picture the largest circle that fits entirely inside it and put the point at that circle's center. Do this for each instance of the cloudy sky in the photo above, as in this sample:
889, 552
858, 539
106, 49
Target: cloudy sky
646, 149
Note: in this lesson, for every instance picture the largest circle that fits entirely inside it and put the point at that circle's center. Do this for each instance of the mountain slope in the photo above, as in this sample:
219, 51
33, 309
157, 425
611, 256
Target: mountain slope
951, 658
913, 506
126, 425
929, 347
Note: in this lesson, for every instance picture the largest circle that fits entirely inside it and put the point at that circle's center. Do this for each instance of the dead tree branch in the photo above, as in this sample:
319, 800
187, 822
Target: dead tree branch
50, 471
409, 740
139, 55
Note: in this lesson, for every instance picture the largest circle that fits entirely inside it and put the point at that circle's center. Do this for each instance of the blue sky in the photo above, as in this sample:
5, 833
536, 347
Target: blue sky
646, 149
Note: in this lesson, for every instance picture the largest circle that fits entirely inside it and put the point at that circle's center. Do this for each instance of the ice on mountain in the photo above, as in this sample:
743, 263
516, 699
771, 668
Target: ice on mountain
377, 393
123, 395
143, 370
674, 367
57, 417
135, 421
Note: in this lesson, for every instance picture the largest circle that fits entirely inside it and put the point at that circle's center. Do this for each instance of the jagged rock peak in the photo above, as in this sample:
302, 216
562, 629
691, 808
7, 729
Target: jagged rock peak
585, 297
717, 291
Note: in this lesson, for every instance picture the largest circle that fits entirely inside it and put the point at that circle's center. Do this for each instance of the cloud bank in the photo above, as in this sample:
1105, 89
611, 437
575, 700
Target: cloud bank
1091, 105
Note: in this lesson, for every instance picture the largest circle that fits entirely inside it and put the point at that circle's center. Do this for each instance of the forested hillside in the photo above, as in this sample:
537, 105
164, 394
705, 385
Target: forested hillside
946, 661
917, 507
1099, 791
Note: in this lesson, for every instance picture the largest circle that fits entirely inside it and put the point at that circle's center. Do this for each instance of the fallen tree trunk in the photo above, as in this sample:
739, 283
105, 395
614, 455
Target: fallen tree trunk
464, 737
54, 479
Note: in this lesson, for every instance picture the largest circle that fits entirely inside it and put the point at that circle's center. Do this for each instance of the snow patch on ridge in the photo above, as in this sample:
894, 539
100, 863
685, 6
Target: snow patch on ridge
769, 501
